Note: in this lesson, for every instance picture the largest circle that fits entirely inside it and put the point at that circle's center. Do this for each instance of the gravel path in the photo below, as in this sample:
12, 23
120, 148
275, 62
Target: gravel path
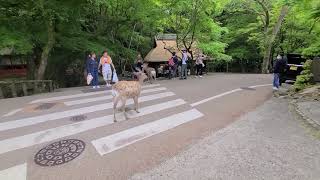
268, 143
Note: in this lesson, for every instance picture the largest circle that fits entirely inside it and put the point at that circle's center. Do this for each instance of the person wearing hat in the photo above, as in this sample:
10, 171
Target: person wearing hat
184, 66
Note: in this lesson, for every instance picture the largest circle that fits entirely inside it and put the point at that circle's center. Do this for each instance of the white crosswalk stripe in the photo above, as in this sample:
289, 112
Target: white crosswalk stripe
69, 113
119, 140
158, 103
89, 100
81, 95
75, 128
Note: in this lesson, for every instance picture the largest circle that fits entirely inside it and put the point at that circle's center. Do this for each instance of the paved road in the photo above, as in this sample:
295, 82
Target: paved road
267, 143
71, 134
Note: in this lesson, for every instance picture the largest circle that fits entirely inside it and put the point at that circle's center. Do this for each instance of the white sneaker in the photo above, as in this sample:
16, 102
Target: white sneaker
98, 87
275, 88
94, 87
200, 76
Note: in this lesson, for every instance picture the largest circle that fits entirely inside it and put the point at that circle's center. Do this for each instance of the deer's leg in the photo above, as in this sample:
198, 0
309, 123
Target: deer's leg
136, 104
115, 103
123, 101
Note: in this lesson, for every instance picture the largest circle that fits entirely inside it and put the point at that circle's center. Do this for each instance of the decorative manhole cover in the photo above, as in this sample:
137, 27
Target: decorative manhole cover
59, 152
78, 118
248, 88
45, 106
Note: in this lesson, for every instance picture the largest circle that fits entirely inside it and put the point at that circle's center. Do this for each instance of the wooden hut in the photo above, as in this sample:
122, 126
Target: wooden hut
159, 56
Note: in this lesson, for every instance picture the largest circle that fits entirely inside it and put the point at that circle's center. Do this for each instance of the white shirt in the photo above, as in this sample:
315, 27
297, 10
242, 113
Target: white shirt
184, 58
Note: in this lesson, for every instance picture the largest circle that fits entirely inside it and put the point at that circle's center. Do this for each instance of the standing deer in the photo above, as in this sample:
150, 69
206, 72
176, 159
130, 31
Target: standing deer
123, 90
150, 72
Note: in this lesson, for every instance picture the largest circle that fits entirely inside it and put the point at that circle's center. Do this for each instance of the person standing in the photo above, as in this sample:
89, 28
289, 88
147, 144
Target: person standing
92, 69
137, 66
106, 64
184, 65
278, 69
200, 65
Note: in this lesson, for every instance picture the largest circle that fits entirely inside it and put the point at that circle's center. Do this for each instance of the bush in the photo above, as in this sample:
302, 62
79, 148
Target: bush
305, 79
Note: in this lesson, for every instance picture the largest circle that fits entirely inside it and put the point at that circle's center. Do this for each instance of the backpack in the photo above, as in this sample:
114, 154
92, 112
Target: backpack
171, 62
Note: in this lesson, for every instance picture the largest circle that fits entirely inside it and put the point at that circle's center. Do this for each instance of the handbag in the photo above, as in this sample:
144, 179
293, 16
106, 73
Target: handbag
115, 77
89, 79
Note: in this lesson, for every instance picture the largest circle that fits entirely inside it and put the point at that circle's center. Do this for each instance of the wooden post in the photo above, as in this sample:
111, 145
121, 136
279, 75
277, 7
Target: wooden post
50, 86
1, 93
43, 86
13, 90
24, 88
35, 87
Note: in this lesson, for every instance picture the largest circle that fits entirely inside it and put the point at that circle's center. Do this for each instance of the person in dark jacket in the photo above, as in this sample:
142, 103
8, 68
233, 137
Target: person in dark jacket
279, 68
92, 68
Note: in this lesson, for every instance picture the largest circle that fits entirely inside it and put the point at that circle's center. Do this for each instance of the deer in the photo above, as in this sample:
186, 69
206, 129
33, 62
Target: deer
123, 90
151, 72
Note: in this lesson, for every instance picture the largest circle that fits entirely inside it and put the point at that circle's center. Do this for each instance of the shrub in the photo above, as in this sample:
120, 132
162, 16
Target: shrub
305, 79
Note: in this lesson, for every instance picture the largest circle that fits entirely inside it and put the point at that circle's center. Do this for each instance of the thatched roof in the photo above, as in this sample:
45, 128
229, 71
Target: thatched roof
159, 53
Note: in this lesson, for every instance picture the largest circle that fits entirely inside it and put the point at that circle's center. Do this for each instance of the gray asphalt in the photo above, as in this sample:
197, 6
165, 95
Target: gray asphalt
137, 157
267, 143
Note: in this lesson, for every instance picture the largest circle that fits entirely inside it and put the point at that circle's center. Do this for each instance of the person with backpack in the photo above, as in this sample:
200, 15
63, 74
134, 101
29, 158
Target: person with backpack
173, 65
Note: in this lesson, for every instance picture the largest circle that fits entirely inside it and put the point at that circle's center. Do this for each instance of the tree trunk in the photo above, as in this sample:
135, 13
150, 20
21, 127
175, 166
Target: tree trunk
276, 28
46, 50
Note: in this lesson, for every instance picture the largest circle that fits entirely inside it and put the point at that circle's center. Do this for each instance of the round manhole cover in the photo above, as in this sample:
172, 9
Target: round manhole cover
59, 152
45, 106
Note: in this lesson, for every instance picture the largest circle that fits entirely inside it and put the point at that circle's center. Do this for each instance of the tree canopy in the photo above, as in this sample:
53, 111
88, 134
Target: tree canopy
55, 35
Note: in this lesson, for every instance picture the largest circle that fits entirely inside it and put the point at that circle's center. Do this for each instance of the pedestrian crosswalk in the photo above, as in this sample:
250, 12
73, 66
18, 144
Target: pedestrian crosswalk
155, 101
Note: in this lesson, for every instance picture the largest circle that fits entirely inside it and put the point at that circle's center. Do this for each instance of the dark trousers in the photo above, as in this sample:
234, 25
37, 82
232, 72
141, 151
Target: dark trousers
95, 80
199, 69
173, 71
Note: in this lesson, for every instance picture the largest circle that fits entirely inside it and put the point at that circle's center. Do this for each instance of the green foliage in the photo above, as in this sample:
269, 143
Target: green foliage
306, 78
233, 31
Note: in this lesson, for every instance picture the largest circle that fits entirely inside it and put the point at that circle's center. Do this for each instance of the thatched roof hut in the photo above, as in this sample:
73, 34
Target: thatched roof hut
159, 54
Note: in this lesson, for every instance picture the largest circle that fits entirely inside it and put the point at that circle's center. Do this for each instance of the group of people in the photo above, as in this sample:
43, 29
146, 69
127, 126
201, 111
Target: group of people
177, 66
181, 66
107, 69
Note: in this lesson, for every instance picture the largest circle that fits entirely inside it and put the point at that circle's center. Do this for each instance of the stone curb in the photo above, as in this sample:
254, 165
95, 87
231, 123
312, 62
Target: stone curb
304, 116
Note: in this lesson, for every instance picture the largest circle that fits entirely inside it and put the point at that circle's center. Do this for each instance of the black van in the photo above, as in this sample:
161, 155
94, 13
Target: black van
294, 67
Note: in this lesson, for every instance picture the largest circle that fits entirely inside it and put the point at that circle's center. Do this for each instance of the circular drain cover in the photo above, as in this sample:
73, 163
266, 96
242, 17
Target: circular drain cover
45, 106
59, 152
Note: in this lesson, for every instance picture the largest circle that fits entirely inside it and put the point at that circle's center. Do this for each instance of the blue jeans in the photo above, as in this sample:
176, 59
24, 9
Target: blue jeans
276, 80
95, 80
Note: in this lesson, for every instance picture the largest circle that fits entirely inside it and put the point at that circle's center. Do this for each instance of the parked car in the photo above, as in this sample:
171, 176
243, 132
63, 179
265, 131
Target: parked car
294, 67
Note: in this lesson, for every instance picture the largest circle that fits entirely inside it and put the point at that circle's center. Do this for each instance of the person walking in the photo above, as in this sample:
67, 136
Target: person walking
278, 69
199, 65
106, 64
137, 66
171, 65
184, 65
92, 69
